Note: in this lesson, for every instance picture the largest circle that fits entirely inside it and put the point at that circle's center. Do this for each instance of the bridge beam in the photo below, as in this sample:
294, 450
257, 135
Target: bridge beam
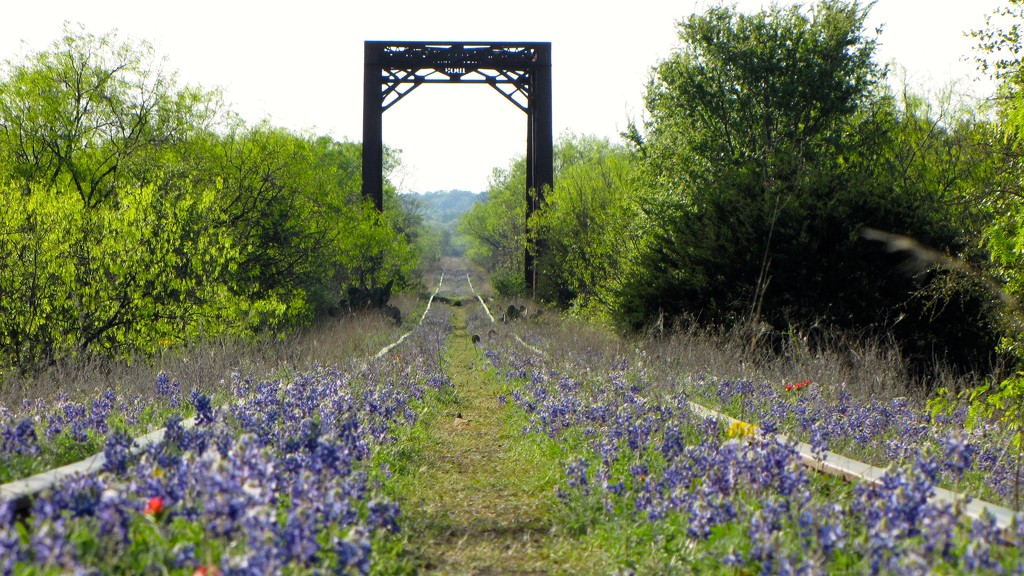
519, 70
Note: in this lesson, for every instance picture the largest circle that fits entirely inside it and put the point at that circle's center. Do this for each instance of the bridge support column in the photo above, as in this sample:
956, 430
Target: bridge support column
373, 142
539, 154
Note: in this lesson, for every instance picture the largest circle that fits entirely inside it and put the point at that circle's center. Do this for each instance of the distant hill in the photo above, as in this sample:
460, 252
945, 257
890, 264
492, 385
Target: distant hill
444, 207
441, 210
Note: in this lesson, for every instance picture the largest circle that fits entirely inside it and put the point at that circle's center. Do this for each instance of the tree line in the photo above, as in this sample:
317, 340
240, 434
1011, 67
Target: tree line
783, 180
138, 214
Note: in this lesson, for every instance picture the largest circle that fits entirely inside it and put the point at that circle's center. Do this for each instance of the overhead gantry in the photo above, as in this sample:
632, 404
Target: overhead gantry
520, 71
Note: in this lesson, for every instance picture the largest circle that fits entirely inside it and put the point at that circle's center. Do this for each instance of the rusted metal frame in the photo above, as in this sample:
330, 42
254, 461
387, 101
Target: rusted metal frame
373, 144
540, 152
393, 79
521, 83
391, 83
486, 76
470, 55
525, 65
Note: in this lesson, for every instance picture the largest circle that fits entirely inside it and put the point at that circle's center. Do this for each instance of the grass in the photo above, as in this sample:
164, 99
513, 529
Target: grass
204, 365
477, 496
208, 367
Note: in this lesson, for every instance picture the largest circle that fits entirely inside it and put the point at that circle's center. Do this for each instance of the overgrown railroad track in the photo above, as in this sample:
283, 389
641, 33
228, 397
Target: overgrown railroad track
510, 452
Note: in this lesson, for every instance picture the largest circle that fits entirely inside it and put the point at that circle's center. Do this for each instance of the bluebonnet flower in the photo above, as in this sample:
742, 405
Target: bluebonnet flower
958, 452
577, 475
820, 435
101, 408
50, 546
168, 389
20, 439
203, 406
382, 515
733, 559
830, 533
672, 444
116, 452
354, 551
184, 555
298, 538
11, 550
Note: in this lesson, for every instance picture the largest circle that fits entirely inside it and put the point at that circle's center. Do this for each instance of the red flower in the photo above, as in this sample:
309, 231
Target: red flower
154, 507
208, 570
798, 385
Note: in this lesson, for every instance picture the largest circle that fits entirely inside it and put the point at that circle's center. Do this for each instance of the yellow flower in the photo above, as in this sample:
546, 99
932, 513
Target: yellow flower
738, 429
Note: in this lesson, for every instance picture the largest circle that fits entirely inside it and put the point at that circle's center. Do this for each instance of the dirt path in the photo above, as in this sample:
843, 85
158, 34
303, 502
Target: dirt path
479, 502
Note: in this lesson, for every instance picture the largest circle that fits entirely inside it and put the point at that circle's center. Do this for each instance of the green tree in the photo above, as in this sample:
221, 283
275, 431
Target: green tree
999, 46
589, 224
154, 270
135, 212
496, 228
741, 119
94, 113
771, 144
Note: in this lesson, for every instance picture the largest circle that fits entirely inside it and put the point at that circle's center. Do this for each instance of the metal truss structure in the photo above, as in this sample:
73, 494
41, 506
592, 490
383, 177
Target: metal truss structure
520, 71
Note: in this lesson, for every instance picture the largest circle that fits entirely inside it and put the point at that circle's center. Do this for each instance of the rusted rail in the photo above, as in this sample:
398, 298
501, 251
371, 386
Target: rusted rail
20, 492
839, 465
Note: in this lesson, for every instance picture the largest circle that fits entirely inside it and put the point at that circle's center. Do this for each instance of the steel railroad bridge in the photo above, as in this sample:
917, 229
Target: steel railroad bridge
520, 71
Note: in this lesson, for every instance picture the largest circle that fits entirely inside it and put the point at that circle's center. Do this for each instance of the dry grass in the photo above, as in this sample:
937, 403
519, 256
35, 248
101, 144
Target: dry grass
206, 365
481, 498
868, 367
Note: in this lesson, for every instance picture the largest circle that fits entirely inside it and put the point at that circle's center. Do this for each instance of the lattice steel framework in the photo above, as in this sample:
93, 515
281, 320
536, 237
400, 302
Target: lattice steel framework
520, 71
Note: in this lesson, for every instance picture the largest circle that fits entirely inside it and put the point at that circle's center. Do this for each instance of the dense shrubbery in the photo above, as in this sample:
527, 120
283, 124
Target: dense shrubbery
771, 146
137, 213
496, 228
772, 143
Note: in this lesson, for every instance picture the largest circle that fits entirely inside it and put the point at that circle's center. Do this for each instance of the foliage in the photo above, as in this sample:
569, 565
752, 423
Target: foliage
999, 194
111, 280
997, 197
135, 212
292, 204
93, 114
771, 144
441, 212
584, 227
587, 224
445, 207
496, 227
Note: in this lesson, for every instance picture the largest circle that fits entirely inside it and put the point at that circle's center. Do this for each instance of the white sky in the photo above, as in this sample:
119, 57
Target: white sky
299, 63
